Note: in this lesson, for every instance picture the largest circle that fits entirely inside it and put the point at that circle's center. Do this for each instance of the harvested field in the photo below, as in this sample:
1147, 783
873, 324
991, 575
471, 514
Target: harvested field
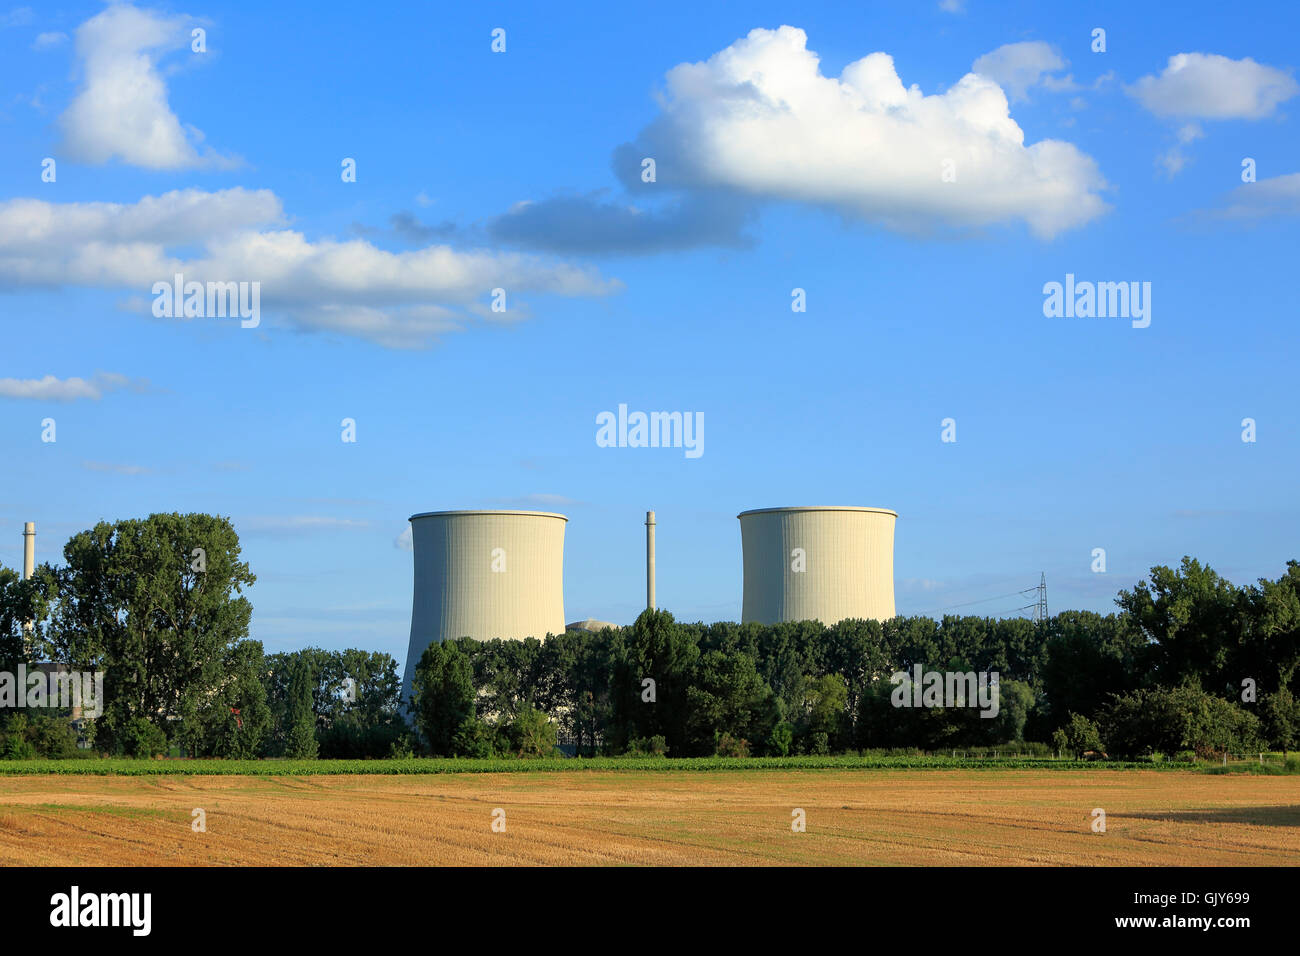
736, 818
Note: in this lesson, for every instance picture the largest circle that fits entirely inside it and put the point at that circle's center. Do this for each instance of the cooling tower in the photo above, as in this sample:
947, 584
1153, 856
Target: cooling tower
484, 574
823, 564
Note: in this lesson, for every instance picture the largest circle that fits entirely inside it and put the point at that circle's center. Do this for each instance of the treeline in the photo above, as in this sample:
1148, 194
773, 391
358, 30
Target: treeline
1189, 662
157, 606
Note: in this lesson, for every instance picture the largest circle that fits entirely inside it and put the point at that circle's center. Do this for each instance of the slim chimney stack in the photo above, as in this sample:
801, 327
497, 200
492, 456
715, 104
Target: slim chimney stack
29, 549
29, 567
650, 560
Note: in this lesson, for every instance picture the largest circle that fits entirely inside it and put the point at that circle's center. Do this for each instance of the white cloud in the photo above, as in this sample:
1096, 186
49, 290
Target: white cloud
400, 300
760, 118
45, 41
1175, 159
1017, 66
51, 389
1210, 86
1275, 196
403, 541
121, 110
952, 6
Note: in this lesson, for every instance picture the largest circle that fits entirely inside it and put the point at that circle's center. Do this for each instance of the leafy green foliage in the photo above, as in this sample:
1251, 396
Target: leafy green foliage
1078, 737
443, 696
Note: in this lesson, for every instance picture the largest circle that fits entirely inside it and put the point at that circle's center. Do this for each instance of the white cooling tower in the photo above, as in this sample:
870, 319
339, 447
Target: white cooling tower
823, 564
484, 574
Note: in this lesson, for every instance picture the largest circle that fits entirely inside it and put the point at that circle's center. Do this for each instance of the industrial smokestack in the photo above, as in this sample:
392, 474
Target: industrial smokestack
29, 568
650, 560
29, 549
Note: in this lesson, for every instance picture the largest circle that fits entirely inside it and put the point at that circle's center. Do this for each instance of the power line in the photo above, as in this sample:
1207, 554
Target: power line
996, 597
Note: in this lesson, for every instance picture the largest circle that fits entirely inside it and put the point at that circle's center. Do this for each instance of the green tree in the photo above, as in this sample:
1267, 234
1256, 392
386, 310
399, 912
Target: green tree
1079, 736
531, 733
301, 719
824, 721
727, 697
157, 604
1171, 719
1194, 619
1280, 719
443, 698
658, 649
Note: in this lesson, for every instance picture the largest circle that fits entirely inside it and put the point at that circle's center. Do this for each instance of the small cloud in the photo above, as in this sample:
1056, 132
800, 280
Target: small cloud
1275, 196
51, 389
1210, 86
920, 584
1018, 66
112, 468
230, 466
422, 199
952, 6
593, 225
46, 41
1175, 159
403, 541
406, 226
17, 17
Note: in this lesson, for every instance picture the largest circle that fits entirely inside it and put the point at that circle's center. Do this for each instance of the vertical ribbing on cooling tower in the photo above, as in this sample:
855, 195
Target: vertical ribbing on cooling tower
485, 575
824, 564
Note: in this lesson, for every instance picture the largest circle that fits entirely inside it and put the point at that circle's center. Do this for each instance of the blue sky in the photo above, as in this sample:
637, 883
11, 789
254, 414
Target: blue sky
478, 170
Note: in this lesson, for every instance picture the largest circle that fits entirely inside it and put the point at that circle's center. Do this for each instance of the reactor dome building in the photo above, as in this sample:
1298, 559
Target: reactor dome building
823, 564
484, 574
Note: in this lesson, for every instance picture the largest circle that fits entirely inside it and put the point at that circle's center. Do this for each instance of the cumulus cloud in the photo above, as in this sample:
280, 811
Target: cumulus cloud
1017, 66
403, 541
52, 389
397, 299
760, 119
121, 109
1210, 86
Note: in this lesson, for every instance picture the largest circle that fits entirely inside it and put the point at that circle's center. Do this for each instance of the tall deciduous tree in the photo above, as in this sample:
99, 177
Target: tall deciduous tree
443, 698
157, 604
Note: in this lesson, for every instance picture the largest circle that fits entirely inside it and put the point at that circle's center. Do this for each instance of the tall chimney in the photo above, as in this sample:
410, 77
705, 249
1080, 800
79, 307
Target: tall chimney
650, 560
29, 549
29, 567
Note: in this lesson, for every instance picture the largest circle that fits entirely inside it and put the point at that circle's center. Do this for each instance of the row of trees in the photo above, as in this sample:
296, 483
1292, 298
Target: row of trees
1189, 662
157, 606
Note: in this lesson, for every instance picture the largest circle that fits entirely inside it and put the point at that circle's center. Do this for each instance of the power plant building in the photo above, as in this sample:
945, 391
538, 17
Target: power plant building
485, 575
824, 564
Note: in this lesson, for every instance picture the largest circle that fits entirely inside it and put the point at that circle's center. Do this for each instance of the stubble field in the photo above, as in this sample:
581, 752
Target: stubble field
732, 818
